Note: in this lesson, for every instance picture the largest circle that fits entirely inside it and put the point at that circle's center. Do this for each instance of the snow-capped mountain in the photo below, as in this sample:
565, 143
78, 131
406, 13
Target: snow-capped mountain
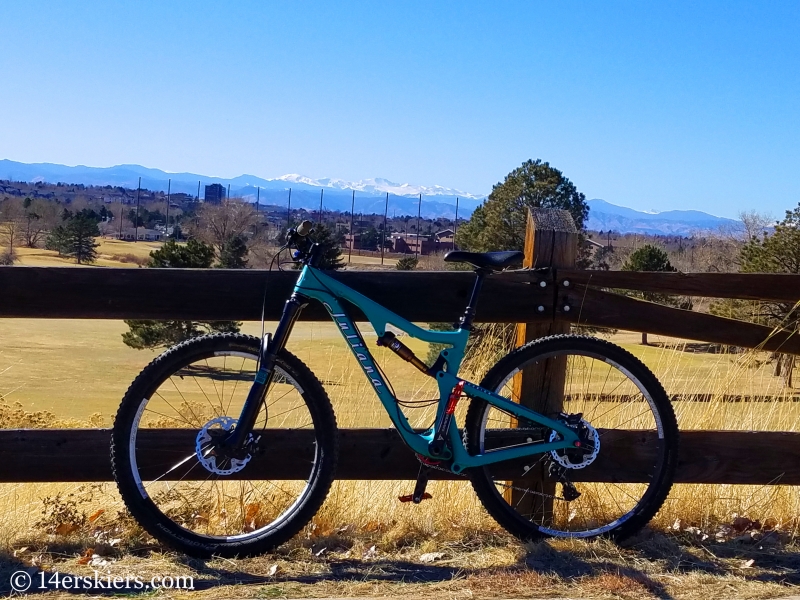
437, 201
379, 186
370, 198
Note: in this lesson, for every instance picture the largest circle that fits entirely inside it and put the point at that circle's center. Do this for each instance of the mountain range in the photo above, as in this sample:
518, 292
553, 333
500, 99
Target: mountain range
604, 216
370, 196
437, 201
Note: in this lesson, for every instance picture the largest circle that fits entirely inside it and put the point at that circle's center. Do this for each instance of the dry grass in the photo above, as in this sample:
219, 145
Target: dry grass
111, 253
490, 565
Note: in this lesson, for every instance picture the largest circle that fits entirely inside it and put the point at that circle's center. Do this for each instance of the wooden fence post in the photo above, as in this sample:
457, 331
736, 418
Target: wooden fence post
551, 240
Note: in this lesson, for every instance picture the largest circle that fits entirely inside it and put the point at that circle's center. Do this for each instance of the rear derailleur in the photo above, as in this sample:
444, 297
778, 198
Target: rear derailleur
568, 490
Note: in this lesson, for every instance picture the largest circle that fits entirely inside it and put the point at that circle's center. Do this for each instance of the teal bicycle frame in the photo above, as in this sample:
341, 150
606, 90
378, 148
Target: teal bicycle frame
315, 284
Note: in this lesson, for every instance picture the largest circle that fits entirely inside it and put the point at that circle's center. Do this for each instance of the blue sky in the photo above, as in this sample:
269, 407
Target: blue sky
654, 106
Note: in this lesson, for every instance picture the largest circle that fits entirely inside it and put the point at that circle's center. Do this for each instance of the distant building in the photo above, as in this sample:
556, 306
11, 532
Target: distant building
145, 235
445, 240
411, 243
215, 193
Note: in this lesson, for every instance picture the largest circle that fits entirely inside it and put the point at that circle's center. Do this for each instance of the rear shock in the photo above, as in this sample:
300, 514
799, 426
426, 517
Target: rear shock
443, 426
389, 340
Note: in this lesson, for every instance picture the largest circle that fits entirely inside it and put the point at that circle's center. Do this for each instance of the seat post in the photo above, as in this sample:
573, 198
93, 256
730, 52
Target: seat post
465, 322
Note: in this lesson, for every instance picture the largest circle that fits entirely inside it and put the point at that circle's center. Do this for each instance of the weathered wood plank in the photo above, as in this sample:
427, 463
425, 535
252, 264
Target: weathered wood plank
588, 306
749, 286
220, 294
551, 240
719, 457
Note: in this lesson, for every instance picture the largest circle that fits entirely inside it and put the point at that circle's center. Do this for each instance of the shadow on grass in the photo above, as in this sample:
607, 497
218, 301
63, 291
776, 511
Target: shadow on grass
696, 347
637, 562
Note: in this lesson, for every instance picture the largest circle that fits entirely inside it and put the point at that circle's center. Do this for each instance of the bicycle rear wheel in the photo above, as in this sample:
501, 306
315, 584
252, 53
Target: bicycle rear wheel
190, 495
619, 478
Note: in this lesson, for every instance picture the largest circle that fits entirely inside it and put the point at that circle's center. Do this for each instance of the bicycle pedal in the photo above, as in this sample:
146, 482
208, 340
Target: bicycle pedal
410, 498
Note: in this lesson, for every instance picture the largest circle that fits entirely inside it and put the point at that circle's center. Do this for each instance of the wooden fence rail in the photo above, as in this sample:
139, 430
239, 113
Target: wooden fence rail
546, 297
731, 457
781, 287
515, 297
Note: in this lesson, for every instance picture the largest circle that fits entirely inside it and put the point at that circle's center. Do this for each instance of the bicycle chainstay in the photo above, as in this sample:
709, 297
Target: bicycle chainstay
506, 486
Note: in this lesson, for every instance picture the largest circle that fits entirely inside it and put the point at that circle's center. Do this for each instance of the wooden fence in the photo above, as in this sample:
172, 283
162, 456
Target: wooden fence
547, 297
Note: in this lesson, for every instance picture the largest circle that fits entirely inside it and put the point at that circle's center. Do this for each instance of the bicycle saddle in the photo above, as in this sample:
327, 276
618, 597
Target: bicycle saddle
496, 261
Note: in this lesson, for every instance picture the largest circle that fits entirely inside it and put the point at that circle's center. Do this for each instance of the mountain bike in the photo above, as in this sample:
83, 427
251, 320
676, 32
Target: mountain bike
227, 444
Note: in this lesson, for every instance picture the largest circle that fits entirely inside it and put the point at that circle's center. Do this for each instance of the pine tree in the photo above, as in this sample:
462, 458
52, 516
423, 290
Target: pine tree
154, 334
233, 254
499, 224
407, 263
331, 254
74, 237
191, 255
81, 231
370, 239
57, 240
651, 258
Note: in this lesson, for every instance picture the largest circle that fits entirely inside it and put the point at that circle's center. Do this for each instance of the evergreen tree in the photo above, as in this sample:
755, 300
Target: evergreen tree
81, 231
652, 258
775, 253
499, 223
192, 255
370, 239
74, 237
57, 239
154, 334
331, 255
407, 263
233, 254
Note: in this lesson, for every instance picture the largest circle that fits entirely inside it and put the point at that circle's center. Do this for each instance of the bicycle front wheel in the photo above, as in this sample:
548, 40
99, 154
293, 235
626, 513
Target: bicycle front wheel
618, 478
188, 492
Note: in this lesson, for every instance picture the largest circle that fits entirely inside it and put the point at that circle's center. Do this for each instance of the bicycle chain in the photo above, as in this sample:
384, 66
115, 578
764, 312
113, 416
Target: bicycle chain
509, 487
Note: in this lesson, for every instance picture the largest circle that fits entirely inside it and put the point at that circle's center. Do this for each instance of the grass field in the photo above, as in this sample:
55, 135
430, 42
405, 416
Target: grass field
77, 368
117, 253
79, 371
111, 253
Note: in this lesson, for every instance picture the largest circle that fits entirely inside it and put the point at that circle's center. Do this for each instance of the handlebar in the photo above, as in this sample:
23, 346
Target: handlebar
305, 249
304, 228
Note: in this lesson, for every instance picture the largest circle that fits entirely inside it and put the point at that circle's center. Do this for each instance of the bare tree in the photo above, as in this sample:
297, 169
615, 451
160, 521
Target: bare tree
12, 218
216, 224
40, 217
755, 223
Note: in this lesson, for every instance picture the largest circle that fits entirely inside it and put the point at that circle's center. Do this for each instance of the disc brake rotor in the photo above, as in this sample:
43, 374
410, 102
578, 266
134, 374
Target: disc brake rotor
208, 448
578, 458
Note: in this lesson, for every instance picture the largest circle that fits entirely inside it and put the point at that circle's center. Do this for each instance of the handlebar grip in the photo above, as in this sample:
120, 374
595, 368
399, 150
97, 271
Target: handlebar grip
304, 228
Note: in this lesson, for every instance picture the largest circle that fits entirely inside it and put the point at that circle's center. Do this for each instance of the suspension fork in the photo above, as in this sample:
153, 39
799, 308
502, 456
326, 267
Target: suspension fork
270, 347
